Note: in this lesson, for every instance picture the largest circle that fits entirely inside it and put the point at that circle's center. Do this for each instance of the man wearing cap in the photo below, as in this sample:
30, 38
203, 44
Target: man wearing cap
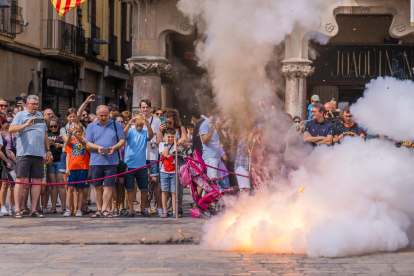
314, 99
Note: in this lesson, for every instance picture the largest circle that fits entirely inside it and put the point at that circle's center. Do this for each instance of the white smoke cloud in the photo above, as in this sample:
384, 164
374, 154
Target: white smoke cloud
241, 38
354, 202
386, 108
357, 196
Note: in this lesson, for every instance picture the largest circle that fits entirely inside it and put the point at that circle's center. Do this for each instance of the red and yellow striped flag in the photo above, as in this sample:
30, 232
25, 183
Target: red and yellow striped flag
63, 6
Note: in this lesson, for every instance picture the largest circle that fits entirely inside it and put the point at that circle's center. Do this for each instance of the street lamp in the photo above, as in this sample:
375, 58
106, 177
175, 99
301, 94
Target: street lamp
4, 5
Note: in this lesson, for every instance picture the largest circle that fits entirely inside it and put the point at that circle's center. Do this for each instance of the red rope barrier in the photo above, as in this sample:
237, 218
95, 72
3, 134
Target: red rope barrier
78, 182
218, 168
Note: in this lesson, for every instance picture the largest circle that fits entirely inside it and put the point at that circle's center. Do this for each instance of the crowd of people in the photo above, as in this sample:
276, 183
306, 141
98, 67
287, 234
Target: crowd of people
40, 147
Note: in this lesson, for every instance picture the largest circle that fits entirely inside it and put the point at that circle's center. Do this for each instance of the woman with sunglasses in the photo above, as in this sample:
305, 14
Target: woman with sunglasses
11, 158
53, 172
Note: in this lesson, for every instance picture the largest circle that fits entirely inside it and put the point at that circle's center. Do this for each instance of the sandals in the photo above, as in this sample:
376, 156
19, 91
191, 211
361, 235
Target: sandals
97, 214
18, 215
89, 202
53, 211
63, 211
108, 214
46, 211
36, 214
26, 211
164, 215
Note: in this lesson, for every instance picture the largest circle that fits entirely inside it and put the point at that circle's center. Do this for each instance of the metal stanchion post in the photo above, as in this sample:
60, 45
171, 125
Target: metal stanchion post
176, 184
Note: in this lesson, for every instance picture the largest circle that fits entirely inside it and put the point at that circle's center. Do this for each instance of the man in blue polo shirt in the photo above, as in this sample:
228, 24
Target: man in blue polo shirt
102, 141
318, 131
32, 145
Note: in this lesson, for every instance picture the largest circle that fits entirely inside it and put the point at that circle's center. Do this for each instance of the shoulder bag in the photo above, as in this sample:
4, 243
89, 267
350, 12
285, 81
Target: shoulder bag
122, 166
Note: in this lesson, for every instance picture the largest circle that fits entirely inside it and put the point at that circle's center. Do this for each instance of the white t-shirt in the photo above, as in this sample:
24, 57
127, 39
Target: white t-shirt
152, 153
171, 150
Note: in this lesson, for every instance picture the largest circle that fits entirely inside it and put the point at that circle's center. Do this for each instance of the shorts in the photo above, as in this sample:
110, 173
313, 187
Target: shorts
141, 176
62, 167
55, 168
154, 169
99, 171
244, 182
78, 175
214, 162
225, 183
32, 164
168, 182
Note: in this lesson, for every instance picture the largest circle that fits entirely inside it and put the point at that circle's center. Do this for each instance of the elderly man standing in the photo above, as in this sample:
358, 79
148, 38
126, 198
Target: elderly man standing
104, 138
32, 149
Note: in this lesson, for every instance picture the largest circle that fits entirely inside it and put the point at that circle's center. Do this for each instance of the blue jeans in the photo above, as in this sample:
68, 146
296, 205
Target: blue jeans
168, 182
55, 168
225, 183
62, 167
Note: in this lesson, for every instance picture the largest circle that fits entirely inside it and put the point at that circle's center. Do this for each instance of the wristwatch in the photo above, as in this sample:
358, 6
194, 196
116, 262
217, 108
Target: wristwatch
166, 145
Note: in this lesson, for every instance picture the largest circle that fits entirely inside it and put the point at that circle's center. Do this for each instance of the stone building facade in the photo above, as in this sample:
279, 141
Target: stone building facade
59, 60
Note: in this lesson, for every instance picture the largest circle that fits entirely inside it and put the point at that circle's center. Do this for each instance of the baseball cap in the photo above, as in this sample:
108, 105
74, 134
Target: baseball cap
315, 98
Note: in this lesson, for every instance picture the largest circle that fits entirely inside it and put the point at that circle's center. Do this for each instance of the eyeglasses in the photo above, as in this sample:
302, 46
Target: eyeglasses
2, 105
313, 112
158, 114
296, 121
53, 126
85, 115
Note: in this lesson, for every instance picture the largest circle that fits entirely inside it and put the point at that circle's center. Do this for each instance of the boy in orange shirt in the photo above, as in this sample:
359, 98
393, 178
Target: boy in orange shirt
77, 168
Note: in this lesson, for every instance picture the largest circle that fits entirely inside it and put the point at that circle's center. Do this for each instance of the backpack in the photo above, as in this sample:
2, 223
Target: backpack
185, 175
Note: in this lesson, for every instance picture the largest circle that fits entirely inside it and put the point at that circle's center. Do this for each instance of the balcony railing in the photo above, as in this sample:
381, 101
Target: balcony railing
94, 49
9, 18
126, 51
65, 37
113, 48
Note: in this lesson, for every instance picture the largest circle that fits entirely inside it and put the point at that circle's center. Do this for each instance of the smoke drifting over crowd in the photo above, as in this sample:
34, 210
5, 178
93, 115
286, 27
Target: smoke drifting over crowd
386, 108
357, 196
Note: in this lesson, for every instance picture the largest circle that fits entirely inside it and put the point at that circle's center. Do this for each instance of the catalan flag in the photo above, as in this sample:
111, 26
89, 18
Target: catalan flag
63, 6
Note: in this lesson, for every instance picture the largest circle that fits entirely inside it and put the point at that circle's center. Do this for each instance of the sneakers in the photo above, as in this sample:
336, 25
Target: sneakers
145, 213
4, 210
159, 211
2, 214
78, 213
10, 212
130, 214
13, 209
67, 213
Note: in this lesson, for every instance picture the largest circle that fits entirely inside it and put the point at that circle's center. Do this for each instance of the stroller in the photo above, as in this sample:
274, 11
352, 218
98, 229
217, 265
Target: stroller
194, 174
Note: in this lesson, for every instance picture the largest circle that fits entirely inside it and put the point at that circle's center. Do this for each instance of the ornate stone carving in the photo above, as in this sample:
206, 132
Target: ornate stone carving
143, 67
392, 11
185, 25
400, 27
329, 27
365, 9
297, 71
338, 10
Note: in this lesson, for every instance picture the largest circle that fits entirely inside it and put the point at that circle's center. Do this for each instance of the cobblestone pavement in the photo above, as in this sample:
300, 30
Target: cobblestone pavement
153, 246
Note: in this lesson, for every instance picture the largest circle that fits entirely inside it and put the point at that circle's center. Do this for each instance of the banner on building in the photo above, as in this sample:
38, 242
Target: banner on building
64, 6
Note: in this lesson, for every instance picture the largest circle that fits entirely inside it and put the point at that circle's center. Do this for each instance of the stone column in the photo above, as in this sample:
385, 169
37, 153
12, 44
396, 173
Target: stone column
147, 73
295, 99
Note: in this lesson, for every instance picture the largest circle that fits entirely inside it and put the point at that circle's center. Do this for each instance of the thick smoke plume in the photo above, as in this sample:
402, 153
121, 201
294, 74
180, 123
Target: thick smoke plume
241, 39
386, 108
357, 196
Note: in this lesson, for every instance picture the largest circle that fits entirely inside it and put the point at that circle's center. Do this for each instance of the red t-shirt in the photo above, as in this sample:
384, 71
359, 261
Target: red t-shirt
79, 157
